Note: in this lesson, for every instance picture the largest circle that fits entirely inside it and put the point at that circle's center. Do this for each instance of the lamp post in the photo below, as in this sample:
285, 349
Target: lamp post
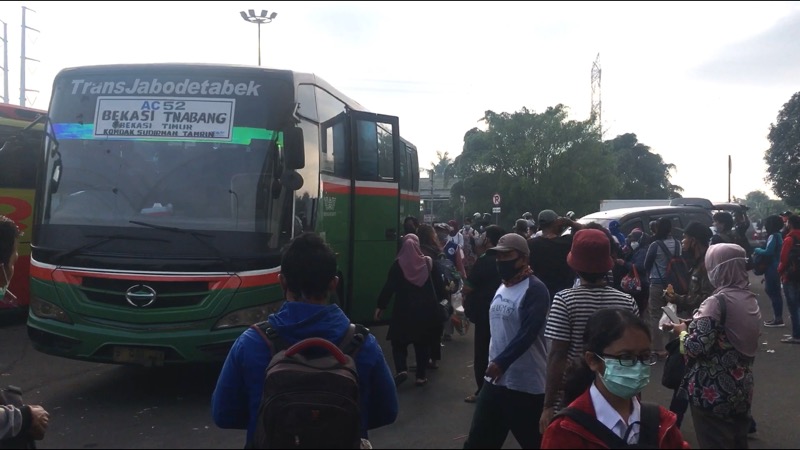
250, 16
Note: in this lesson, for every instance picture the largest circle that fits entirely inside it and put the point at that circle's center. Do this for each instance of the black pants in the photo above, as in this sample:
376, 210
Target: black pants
481, 353
400, 354
679, 405
500, 410
435, 343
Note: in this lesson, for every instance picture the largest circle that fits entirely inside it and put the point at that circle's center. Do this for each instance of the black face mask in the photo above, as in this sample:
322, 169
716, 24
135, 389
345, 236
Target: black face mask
507, 269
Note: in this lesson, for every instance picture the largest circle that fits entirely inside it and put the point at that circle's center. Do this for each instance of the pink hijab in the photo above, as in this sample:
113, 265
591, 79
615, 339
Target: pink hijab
416, 267
727, 272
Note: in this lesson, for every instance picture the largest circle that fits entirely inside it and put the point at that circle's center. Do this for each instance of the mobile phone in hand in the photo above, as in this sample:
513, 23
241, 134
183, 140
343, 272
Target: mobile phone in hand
671, 314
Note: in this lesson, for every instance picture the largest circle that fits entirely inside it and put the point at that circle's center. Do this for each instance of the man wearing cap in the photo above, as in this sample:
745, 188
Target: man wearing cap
512, 394
590, 258
455, 236
549, 251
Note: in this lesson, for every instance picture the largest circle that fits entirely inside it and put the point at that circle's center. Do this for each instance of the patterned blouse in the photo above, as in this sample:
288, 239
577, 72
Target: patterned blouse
719, 379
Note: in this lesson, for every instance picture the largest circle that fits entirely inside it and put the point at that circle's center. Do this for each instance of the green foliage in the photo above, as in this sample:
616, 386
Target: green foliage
783, 155
643, 174
761, 206
539, 161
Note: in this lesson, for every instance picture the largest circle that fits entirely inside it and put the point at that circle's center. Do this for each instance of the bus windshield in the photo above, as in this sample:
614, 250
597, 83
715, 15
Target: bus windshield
201, 154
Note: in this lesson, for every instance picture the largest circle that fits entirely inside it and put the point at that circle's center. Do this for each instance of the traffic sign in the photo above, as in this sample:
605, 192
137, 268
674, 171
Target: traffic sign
496, 210
496, 199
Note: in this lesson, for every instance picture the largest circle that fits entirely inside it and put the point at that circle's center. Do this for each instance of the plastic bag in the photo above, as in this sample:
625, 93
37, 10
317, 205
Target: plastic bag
665, 320
459, 319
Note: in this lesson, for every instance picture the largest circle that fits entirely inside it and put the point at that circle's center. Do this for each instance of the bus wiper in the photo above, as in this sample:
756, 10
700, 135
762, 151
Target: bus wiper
103, 239
193, 234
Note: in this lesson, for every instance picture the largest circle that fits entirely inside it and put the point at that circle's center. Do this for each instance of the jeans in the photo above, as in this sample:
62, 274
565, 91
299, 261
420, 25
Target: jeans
792, 291
772, 286
500, 410
653, 316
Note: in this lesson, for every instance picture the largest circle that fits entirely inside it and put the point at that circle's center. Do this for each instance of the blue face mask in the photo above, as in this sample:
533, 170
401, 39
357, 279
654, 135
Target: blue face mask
624, 381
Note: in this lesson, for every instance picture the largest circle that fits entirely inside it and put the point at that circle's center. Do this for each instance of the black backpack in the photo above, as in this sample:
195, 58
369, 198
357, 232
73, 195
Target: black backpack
445, 268
678, 270
311, 393
648, 431
793, 264
12, 395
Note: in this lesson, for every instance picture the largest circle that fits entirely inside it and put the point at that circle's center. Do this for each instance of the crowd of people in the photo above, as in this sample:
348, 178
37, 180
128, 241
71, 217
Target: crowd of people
562, 346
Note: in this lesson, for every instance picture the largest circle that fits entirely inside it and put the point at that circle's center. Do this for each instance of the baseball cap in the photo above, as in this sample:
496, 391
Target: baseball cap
786, 213
511, 241
547, 216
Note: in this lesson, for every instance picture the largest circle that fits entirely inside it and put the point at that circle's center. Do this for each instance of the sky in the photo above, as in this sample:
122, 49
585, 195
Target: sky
695, 81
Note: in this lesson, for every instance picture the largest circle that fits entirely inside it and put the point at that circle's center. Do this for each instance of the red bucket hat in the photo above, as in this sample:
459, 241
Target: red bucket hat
591, 252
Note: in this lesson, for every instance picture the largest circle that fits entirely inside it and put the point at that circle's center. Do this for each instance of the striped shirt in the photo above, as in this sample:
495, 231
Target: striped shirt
572, 308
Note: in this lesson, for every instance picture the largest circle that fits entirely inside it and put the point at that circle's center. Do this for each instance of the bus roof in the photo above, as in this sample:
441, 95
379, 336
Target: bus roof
299, 77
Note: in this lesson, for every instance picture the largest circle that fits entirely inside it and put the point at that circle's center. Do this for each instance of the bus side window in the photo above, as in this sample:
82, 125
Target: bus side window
403, 176
367, 152
334, 156
18, 162
385, 152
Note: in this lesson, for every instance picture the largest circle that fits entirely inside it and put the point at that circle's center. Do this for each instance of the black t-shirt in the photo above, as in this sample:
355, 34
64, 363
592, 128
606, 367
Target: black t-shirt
484, 280
549, 262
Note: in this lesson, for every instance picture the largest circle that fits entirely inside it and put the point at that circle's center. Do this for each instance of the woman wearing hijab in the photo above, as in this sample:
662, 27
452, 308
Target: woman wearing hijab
720, 344
415, 316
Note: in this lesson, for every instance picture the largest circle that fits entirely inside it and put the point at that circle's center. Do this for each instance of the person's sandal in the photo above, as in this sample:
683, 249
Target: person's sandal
471, 399
421, 382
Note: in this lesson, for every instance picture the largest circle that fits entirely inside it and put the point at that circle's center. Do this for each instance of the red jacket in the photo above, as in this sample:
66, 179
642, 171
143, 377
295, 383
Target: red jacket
787, 246
564, 432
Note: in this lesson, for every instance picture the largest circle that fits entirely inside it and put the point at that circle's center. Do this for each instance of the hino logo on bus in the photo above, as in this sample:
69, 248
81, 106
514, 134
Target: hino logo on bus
140, 295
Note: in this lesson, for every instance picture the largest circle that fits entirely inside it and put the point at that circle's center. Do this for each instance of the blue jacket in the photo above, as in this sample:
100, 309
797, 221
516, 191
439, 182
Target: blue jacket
236, 398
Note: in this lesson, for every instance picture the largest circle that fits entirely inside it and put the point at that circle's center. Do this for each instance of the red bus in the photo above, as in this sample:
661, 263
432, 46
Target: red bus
19, 158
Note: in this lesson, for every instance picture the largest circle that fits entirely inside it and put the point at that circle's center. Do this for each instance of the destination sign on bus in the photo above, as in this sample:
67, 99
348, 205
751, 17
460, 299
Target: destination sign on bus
164, 117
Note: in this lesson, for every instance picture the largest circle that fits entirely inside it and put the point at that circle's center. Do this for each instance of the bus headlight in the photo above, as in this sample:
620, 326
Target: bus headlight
47, 310
248, 316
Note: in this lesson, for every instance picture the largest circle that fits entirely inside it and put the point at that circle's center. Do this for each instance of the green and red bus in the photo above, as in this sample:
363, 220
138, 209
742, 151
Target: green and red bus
169, 191
21, 143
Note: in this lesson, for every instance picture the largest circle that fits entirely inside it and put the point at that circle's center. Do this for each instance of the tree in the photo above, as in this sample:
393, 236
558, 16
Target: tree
643, 174
761, 206
783, 155
535, 161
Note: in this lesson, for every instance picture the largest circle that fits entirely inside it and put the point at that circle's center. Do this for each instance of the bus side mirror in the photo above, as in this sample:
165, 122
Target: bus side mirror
294, 148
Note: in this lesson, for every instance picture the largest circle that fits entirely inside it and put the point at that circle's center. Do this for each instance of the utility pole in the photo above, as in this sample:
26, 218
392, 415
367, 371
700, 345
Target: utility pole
23, 57
596, 114
5, 62
730, 167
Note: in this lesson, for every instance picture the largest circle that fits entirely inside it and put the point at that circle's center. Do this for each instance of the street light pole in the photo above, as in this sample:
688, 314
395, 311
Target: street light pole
250, 16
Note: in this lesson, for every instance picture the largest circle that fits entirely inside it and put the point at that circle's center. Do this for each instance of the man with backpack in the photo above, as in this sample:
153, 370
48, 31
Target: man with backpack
789, 270
244, 397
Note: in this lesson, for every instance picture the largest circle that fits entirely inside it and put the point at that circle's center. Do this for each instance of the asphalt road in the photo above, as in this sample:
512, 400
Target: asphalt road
106, 406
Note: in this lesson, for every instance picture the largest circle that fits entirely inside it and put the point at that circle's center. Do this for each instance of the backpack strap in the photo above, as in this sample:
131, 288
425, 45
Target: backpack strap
594, 426
354, 338
649, 423
270, 336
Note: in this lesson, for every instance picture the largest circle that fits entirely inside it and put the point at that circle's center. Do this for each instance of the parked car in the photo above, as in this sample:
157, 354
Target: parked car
630, 218
737, 210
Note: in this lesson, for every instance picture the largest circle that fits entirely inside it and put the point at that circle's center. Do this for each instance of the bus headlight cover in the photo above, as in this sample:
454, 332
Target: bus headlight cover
47, 310
248, 316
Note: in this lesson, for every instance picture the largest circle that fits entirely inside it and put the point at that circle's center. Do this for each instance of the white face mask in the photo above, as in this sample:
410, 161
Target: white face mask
634, 245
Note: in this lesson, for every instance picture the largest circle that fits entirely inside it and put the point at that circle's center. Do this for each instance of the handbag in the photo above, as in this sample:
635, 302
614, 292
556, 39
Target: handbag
631, 284
442, 306
674, 366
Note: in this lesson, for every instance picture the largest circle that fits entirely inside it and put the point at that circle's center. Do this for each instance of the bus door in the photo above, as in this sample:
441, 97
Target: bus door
375, 221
